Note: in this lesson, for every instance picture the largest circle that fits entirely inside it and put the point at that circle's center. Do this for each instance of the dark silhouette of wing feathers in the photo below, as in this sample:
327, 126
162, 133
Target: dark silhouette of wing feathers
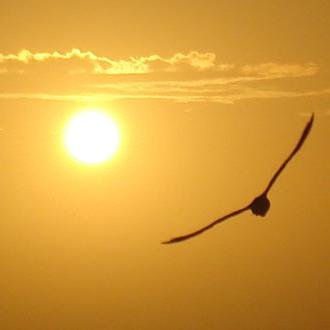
294, 151
261, 198
197, 232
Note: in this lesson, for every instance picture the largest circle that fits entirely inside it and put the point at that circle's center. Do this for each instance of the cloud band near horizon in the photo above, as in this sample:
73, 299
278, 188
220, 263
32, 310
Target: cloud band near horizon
205, 79
194, 60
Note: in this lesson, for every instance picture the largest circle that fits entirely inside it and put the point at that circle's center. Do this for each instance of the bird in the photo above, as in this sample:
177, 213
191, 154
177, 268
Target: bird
260, 205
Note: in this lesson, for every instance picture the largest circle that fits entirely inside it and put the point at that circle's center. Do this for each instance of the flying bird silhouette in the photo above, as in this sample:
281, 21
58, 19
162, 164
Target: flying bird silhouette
260, 205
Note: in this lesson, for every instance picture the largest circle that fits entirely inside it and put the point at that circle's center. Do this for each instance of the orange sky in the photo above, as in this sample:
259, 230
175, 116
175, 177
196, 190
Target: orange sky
210, 97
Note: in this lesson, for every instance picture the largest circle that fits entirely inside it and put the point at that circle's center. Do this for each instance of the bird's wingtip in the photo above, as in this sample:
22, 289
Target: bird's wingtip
167, 242
310, 122
175, 240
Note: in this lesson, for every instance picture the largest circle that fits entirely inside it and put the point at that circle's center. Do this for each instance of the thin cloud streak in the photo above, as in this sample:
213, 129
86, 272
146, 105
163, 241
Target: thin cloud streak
228, 98
200, 85
281, 70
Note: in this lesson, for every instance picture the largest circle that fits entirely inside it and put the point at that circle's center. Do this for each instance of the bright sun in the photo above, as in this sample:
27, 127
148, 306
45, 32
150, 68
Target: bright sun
91, 137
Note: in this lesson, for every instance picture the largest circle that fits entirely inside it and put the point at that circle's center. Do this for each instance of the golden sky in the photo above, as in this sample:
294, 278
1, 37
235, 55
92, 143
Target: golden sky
209, 97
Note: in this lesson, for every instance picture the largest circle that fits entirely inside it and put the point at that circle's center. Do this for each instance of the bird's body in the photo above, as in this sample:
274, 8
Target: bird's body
259, 205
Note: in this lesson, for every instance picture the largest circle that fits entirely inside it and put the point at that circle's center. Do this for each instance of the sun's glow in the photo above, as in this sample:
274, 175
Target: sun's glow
91, 137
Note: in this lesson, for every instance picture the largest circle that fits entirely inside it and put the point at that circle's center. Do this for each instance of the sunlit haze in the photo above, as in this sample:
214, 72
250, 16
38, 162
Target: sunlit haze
125, 124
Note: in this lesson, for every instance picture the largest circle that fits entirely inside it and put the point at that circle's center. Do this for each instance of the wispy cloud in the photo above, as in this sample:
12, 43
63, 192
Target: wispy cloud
105, 65
191, 77
194, 60
276, 70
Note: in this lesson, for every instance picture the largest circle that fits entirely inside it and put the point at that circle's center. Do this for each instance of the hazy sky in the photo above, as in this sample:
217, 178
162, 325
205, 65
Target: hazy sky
210, 97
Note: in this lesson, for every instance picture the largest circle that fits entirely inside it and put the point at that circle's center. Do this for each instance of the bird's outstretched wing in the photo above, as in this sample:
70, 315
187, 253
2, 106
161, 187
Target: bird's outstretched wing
293, 152
263, 195
197, 232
